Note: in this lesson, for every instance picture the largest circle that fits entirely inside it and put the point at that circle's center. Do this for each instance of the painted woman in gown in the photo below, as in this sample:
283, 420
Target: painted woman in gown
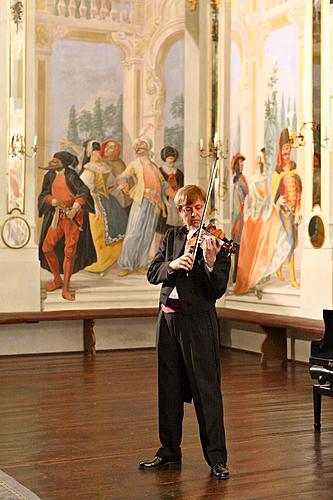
175, 178
108, 224
264, 244
240, 191
110, 153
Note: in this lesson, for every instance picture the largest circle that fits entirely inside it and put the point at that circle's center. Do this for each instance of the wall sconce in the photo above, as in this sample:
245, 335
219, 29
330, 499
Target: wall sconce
215, 148
17, 147
297, 140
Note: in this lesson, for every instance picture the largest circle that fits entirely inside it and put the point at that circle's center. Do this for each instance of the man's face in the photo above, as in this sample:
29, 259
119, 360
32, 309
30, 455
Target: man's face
141, 148
55, 164
192, 214
285, 152
109, 149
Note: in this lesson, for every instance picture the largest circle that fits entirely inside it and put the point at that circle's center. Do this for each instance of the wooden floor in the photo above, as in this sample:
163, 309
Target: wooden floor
74, 428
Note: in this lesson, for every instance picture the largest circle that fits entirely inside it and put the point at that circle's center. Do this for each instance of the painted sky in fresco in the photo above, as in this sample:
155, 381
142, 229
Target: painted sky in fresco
82, 72
281, 48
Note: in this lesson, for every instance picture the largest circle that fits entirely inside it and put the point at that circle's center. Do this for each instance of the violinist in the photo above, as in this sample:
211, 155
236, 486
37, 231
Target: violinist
187, 336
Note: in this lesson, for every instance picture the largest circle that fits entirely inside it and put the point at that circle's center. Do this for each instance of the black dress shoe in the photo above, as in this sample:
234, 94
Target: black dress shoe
158, 463
220, 471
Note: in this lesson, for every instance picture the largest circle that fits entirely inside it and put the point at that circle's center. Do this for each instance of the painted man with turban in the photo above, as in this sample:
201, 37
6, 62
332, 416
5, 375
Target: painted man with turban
148, 193
66, 244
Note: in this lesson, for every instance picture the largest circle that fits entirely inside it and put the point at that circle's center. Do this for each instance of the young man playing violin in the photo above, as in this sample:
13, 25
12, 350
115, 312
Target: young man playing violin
187, 337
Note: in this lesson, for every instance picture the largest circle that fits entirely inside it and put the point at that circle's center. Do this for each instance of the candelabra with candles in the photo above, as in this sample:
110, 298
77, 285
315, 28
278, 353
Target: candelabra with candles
298, 139
17, 148
215, 148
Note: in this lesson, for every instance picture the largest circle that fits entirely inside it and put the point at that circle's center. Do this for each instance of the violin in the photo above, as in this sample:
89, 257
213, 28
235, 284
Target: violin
227, 246
209, 230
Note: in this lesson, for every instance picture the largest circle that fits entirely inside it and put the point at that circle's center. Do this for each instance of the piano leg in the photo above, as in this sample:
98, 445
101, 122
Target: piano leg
317, 407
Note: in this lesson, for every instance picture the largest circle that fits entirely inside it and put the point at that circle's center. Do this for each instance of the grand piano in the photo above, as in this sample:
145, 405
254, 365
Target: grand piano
321, 369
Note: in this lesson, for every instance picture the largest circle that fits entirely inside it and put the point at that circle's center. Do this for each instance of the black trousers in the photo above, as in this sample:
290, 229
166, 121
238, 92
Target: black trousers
189, 365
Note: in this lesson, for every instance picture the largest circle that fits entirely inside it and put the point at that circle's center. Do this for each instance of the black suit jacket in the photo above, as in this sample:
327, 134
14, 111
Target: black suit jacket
197, 290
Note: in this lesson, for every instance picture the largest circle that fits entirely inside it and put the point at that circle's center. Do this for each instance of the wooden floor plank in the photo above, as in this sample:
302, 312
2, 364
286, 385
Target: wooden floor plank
75, 428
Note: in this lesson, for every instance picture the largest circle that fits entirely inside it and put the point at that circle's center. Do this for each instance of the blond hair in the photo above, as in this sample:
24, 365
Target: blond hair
187, 195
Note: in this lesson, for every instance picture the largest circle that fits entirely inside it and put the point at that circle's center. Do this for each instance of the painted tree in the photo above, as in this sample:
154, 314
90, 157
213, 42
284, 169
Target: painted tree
97, 121
113, 120
72, 131
85, 121
271, 134
109, 119
283, 120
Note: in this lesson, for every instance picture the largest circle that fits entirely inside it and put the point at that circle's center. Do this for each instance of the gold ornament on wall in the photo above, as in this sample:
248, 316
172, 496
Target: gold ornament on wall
192, 4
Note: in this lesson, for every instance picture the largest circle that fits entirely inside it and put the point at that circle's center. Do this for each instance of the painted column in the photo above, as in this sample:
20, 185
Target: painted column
317, 268
195, 112
19, 267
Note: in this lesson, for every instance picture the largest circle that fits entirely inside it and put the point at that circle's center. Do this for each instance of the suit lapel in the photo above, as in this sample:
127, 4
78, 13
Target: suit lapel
179, 242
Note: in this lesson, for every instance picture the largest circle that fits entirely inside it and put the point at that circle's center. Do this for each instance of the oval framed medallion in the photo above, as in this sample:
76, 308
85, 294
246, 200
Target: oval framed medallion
316, 230
15, 232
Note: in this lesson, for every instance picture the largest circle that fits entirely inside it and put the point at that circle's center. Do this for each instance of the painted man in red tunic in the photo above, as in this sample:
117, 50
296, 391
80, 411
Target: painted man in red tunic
66, 244
287, 191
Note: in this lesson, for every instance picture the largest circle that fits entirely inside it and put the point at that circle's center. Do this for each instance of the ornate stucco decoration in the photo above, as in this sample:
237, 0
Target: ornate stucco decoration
141, 44
192, 4
42, 36
151, 83
156, 88
125, 44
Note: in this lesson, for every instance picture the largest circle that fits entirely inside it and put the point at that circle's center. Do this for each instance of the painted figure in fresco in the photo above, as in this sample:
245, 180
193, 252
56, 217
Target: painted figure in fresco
175, 179
265, 245
240, 191
76, 150
108, 223
148, 192
66, 244
188, 344
287, 191
110, 153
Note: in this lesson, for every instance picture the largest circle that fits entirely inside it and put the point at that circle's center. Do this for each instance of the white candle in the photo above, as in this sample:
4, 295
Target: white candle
201, 144
35, 142
216, 139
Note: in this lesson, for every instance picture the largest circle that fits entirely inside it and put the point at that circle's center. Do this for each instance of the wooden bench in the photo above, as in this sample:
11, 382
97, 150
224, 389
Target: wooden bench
275, 327
87, 316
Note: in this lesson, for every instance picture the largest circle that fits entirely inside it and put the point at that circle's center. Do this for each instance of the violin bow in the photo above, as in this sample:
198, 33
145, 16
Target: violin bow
209, 192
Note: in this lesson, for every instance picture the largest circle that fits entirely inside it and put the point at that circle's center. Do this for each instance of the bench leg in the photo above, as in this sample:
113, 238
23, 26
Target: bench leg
89, 339
316, 407
274, 347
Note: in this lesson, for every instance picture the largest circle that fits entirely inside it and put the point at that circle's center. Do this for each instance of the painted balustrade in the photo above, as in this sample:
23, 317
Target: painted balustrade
119, 11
